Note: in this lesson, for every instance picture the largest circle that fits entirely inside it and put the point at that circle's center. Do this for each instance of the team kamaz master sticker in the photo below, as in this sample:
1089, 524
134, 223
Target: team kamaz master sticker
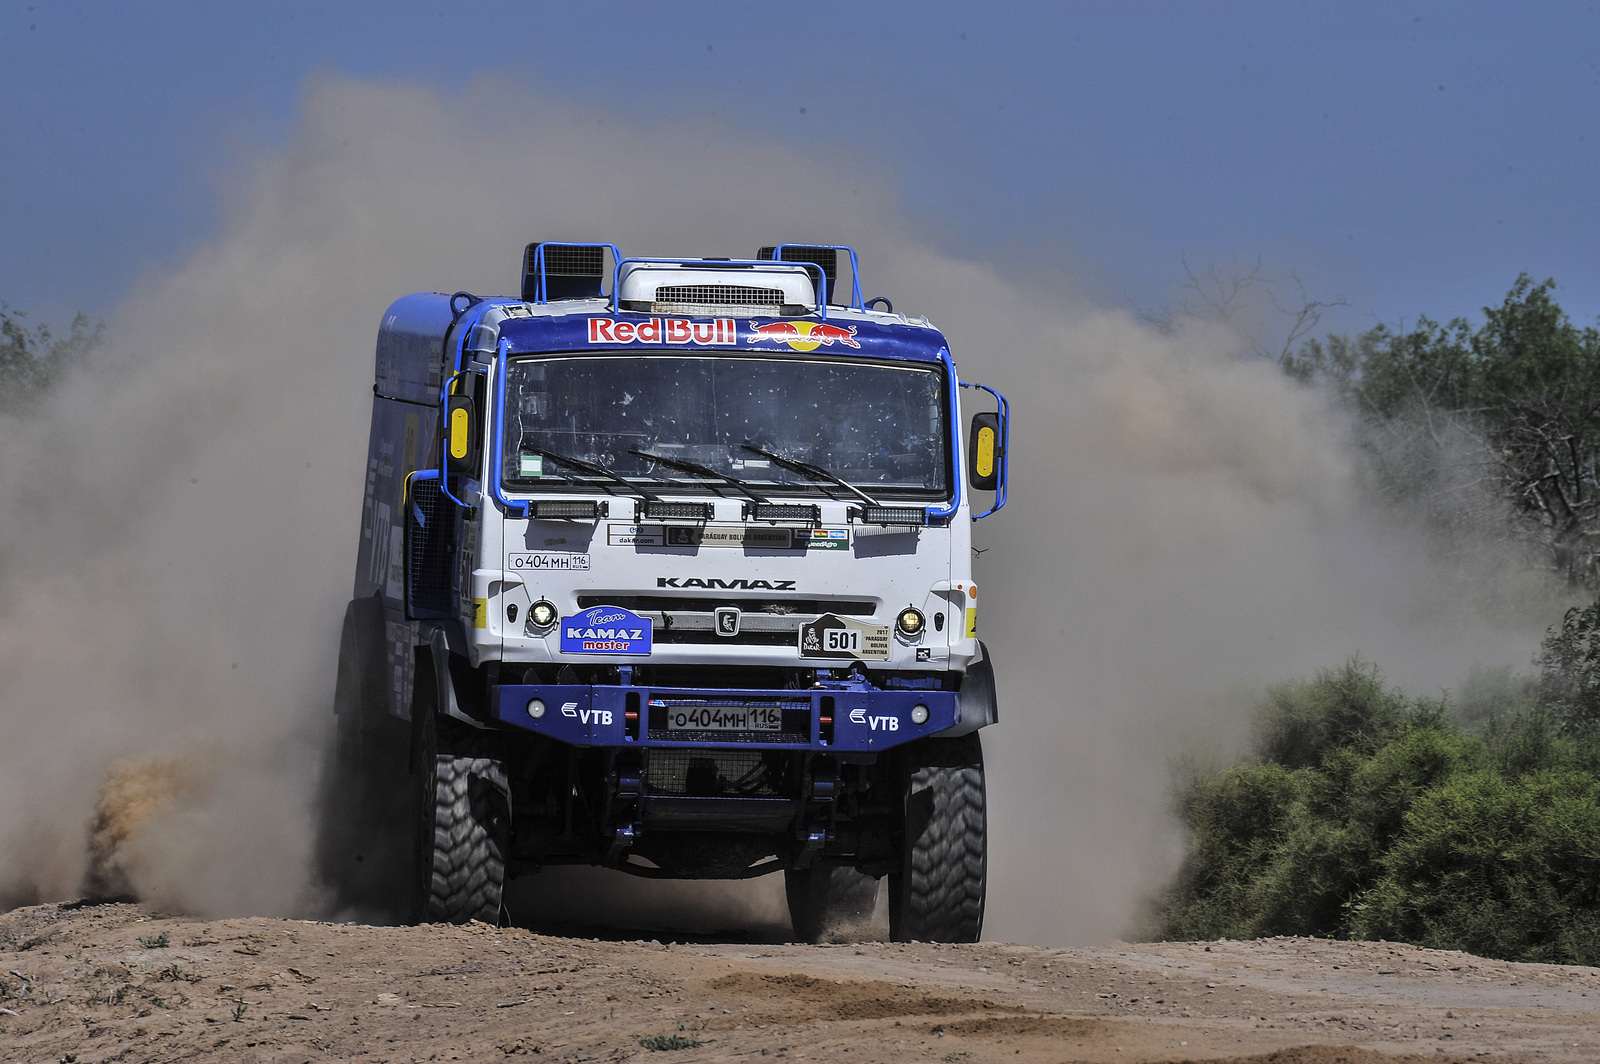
606, 630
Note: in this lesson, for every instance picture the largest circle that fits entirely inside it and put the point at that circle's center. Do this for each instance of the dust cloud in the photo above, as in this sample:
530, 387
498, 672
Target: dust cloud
181, 520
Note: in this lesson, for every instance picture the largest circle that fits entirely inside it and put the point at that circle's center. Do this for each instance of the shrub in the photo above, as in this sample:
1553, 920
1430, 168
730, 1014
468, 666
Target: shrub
1504, 867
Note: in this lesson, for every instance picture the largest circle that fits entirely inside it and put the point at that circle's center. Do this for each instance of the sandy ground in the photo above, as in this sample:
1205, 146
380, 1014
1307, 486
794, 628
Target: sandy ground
97, 983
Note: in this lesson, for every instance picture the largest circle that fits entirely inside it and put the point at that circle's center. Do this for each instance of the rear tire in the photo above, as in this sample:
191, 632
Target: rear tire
463, 828
824, 897
938, 895
363, 842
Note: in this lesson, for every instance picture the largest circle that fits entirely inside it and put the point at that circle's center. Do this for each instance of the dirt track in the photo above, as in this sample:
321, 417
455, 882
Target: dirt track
118, 982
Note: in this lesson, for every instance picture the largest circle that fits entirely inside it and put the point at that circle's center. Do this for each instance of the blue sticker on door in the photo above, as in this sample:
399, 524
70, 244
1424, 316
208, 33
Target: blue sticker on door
606, 630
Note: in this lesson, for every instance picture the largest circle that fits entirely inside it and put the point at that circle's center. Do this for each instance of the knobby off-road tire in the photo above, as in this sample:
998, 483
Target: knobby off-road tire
463, 827
824, 897
363, 837
939, 893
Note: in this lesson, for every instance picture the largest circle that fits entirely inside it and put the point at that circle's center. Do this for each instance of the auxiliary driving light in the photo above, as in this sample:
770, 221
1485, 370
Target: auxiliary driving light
536, 708
542, 614
910, 621
919, 714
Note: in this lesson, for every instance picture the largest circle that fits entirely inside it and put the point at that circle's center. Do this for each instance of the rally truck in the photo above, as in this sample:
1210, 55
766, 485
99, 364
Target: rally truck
666, 567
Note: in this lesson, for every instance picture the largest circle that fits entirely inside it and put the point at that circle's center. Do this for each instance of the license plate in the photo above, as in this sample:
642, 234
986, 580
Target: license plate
724, 718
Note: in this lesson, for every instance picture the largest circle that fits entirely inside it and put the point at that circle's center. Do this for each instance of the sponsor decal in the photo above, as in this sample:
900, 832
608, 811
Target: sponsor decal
729, 536
719, 332
832, 636
803, 335
530, 561
636, 535
747, 537
823, 539
606, 630
874, 723
716, 583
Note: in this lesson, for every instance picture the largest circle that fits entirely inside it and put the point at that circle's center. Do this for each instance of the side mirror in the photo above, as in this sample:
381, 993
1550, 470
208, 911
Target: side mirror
985, 452
461, 434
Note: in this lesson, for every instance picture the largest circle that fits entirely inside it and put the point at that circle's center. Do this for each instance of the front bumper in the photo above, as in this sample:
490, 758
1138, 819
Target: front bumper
838, 720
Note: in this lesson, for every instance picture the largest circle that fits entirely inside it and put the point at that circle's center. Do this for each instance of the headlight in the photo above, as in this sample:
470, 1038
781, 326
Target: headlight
535, 708
919, 714
542, 614
910, 621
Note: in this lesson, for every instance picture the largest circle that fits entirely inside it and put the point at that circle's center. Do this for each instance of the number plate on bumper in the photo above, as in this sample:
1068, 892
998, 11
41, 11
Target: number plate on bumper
832, 636
724, 718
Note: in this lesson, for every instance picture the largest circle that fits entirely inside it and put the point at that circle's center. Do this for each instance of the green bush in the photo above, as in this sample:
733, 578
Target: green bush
1364, 813
1503, 867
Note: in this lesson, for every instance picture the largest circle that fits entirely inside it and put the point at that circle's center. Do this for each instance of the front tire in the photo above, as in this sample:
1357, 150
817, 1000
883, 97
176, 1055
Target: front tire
938, 895
463, 828
824, 897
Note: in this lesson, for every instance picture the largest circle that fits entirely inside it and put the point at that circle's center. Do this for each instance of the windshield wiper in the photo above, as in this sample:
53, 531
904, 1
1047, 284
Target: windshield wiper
593, 469
700, 470
813, 472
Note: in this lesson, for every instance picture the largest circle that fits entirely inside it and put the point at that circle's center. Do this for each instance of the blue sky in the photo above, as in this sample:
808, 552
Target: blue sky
1412, 158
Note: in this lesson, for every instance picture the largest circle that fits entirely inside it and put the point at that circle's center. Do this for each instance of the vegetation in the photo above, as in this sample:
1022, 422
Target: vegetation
1363, 813
1489, 431
1469, 824
32, 360
663, 1042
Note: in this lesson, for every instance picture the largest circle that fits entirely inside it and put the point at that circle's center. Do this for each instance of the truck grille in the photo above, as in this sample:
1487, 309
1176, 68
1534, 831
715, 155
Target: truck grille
721, 774
720, 295
430, 544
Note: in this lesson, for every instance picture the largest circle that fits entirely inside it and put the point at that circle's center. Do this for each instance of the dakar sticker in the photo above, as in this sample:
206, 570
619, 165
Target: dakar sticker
635, 535
832, 636
607, 630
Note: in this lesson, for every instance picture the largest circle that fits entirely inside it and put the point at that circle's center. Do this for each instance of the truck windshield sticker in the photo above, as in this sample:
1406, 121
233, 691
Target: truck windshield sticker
530, 465
719, 332
832, 636
528, 561
606, 630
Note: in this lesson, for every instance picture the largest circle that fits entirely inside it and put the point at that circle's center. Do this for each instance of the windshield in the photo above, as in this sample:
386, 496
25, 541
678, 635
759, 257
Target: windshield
877, 425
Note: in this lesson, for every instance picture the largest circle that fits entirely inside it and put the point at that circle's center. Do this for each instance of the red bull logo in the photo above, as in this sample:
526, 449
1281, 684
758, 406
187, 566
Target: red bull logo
719, 332
803, 335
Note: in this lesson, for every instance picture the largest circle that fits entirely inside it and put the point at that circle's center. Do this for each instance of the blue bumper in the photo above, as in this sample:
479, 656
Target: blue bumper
836, 720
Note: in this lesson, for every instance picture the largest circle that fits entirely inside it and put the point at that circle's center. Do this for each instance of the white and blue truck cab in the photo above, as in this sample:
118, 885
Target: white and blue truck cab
666, 566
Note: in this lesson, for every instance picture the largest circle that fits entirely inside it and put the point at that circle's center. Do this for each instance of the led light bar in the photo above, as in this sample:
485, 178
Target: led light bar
657, 509
570, 510
893, 515
778, 511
